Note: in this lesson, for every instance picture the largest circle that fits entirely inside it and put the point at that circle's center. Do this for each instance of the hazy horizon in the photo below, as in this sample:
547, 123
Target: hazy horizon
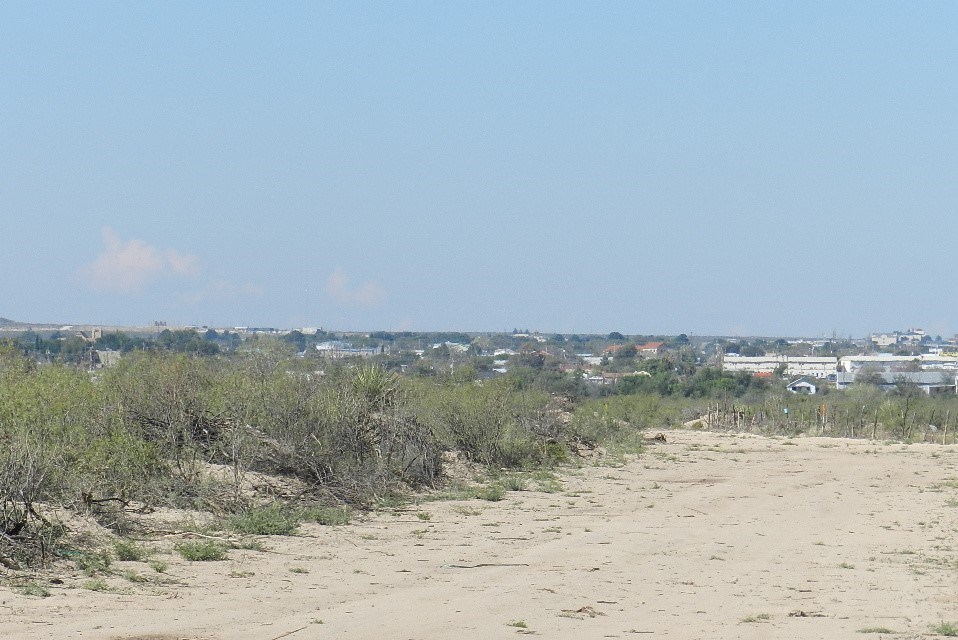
361, 330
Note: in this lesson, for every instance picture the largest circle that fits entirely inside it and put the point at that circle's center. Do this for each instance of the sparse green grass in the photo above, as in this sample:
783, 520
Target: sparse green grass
546, 481
391, 501
202, 551
513, 483
497, 484
272, 520
328, 516
159, 566
249, 545
96, 584
550, 486
884, 630
424, 515
457, 492
34, 589
133, 576
519, 624
761, 617
298, 570
949, 629
129, 551
93, 562
846, 565
492, 493
241, 574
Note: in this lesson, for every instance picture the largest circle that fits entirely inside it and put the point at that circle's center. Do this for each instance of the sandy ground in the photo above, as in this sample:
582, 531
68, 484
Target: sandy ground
706, 536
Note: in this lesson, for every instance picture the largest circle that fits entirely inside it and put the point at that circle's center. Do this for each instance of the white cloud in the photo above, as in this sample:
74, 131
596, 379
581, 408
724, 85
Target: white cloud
368, 294
128, 266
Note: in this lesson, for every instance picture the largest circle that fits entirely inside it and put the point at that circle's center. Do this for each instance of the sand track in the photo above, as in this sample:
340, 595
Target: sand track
709, 535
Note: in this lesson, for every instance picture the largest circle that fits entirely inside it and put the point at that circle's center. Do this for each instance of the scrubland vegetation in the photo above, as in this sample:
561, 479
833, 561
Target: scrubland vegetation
200, 429
189, 431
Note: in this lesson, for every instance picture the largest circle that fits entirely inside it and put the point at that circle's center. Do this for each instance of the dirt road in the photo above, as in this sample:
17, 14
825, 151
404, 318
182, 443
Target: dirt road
705, 536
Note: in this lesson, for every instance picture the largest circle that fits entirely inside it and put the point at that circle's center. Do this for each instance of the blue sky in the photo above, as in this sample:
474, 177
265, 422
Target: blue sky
709, 168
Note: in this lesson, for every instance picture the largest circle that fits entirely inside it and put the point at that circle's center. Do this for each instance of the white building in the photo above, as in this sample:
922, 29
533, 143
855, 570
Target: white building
888, 362
802, 386
339, 349
928, 381
812, 366
454, 347
910, 337
882, 340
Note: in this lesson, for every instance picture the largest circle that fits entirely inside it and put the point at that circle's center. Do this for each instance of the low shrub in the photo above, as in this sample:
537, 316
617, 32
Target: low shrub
202, 551
96, 584
129, 551
329, 516
34, 589
273, 520
513, 483
494, 424
92, 562
949, 629
492, 493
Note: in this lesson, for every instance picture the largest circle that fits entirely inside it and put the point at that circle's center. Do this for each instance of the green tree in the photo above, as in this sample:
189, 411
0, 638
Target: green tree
626, 353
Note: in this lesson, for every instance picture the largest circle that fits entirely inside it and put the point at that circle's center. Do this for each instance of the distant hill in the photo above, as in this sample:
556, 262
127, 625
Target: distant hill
6, 322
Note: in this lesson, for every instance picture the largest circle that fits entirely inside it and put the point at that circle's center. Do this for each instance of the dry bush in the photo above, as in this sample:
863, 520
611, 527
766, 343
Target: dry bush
493, 423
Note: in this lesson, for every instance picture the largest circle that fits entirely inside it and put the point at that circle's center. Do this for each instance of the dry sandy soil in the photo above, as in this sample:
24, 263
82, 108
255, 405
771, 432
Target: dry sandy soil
707, 536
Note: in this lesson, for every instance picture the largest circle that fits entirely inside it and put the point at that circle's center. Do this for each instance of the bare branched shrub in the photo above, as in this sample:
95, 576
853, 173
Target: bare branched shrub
378, 431
38, 422
349, 433
170, 401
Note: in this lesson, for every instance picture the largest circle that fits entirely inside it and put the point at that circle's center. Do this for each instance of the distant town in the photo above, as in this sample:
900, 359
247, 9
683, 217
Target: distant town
802, 365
